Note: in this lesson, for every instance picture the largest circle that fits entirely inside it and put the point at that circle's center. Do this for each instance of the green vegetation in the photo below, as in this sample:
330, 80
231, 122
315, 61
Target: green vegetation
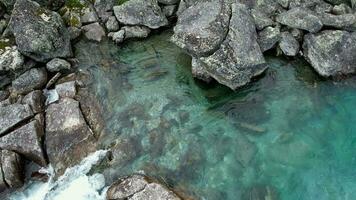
74, 4
119, 2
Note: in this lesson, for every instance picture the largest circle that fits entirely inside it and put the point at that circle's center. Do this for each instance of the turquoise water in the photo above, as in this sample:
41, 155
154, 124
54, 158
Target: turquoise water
289, 135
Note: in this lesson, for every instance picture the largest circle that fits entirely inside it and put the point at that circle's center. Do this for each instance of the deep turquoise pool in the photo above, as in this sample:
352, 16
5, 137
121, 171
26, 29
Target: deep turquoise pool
288, 135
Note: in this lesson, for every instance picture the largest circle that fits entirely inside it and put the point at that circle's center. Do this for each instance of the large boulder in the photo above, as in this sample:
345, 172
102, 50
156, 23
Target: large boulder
12, 167
26, 140
331, 52
68, 137
40, 34
138, 187
202, 28
301, 18
12, 115
141, 12
32, 79
239, 58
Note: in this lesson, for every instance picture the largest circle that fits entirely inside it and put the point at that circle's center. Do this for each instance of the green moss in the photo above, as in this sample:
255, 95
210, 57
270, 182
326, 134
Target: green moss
73, 21
74, 4
119, 2
5, 43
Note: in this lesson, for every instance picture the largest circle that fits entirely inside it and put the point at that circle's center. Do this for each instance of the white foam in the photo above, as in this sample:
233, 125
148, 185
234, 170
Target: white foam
74, 184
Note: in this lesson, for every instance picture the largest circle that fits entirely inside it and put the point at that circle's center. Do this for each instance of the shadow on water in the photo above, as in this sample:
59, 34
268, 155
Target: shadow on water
288, 135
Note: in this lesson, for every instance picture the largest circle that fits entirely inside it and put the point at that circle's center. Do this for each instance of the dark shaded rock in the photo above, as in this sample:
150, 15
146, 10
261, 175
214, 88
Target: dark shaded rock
68, 137
169, 10
12, 115
33, 79
94, 32
202, 27
331, 52
125, 151
4, 94
36, 101
289, 45
11, 59
260, 192
139, 187
103, 7
3, 185
67, 89
239, 58
40, 34
12, 167
199, 71
57, 65
297, 34
300, 18
74, 32
141, 12
136, 31
53, 80
336, 2
246, 150
268, 38
168, 2
26, 141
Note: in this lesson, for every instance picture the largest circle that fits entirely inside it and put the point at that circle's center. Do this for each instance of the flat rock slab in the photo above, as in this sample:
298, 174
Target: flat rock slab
39, 33
141, 12
68, 137
331, 52
138, 187
12, 115
239, 58
202, 28
26, 141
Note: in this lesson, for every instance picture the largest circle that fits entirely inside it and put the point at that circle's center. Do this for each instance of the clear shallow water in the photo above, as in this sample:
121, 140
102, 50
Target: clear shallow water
289, 135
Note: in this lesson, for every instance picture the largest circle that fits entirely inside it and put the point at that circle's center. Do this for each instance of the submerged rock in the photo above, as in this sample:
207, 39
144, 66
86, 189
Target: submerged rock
141, 12
138, 187
301, 18
68, 137
12, 168
26, 141
12, 115
202, 27
239, 57
331, 52
40, 34
32, 79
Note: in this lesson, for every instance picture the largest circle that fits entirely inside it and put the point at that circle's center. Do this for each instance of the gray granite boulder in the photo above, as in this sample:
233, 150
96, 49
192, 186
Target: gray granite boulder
300, 18
26, 141
331, 52
202, 28
268, 38
345, 21
39, 33
12, 115
141, 12
57, 65
94, 32
12, 167
32, 79
36, 101
139, 187
168, 2
239, 57
136, 31
262, 20
112, 24
104, 8
288, 44
68, 137
11, 59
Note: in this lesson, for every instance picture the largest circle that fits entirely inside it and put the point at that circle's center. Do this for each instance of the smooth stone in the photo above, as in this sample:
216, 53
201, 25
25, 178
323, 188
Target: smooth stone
141, 12
331, 52
57, 65
39, 33
239, 58
268, 38
112, 24
68, 137
26, 141
36, 101
288, 44
32, 79
300, 18
202, 28
136, 31
94, 32
11, 59
12, 167
67, 89
12, 115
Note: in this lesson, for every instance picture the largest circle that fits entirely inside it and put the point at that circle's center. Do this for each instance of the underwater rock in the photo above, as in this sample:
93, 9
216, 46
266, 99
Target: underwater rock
36, 101
94, 32
141, 12
139, 187
26, 141
39, 33
12, 167
331, 52
11, 59
201, 28
260, 192
12, 115
288, 44
300, 18
32, 79
68, 137
58, 65
239, 57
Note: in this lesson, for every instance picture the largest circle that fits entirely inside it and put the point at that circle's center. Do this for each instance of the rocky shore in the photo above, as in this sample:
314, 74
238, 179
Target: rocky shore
47, 114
